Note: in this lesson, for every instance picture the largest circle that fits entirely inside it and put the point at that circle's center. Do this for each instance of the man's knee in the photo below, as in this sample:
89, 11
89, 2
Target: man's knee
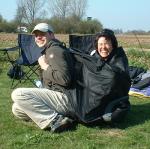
16, 110
16, 93
21, 94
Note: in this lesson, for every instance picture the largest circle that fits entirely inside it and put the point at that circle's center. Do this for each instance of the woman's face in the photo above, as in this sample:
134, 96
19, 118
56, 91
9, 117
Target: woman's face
104, 47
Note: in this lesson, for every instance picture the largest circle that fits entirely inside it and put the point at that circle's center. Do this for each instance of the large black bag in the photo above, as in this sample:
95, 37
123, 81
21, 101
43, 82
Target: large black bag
100, 83
15, 72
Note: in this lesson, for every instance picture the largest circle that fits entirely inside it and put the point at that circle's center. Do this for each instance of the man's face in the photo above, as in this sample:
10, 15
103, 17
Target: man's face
42, 38
104, 47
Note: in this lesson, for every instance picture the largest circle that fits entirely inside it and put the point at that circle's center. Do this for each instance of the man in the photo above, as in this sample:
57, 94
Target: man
48, 107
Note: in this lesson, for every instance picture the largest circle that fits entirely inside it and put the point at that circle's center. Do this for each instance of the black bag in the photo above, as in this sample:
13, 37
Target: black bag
15, 72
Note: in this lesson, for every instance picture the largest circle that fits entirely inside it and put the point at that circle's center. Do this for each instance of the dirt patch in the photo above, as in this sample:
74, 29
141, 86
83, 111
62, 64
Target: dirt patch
132, 41
8, 40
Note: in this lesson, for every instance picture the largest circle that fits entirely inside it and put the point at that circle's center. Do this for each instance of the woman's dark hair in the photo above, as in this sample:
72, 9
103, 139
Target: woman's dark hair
109, 34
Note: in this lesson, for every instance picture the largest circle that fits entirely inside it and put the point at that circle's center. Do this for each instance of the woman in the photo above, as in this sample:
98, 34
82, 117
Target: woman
105, 82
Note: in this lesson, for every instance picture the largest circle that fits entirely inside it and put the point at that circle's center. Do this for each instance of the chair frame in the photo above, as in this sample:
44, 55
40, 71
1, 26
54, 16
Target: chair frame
31, 68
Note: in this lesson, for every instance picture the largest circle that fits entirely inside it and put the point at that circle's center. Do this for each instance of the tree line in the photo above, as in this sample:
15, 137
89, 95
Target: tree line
65, 16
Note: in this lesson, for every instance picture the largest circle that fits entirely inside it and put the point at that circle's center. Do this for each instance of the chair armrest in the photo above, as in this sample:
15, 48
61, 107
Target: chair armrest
11, 48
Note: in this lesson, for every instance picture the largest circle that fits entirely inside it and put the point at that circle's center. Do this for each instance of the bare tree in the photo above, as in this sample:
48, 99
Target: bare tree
19, 15
65, 8
59, 8
30, 10
78, 8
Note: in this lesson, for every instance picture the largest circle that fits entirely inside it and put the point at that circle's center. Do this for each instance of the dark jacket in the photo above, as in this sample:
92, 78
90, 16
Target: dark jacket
101, 83
59, 74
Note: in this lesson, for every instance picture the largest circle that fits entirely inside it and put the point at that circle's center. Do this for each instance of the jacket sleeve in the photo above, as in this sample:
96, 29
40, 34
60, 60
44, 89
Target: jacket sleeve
60, 67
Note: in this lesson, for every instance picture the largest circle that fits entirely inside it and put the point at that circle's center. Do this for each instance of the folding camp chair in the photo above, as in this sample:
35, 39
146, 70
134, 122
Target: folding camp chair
84, 43
25, 66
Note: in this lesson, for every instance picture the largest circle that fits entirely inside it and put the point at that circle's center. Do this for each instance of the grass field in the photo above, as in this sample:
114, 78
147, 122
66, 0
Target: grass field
132, 133
127, 41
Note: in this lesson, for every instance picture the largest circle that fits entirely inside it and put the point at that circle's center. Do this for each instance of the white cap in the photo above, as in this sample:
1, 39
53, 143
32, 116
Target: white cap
43, 27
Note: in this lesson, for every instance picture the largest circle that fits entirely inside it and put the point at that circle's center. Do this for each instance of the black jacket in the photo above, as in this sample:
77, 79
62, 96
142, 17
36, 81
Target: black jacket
59, 74
100, 83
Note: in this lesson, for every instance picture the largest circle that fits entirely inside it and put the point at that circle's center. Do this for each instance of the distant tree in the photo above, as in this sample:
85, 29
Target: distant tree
66, 8
30, 10
137, 32
148, 32
1, 18
19, 14
59, 8
78, 8
3, 23
71, 25
57, 24
118, 31
7, 27
90, 27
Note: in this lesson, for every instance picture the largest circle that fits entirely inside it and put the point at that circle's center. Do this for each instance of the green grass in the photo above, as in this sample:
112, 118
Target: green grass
138, 58
132, 133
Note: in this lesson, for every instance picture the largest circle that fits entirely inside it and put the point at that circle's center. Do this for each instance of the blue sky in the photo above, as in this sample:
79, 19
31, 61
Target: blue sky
114, 14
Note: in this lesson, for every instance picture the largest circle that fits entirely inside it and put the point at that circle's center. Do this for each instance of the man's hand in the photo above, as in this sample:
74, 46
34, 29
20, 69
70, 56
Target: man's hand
42, 62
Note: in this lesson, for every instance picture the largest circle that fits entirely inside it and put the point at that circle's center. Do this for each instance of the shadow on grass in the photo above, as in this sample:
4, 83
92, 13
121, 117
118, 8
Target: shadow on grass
137, 115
